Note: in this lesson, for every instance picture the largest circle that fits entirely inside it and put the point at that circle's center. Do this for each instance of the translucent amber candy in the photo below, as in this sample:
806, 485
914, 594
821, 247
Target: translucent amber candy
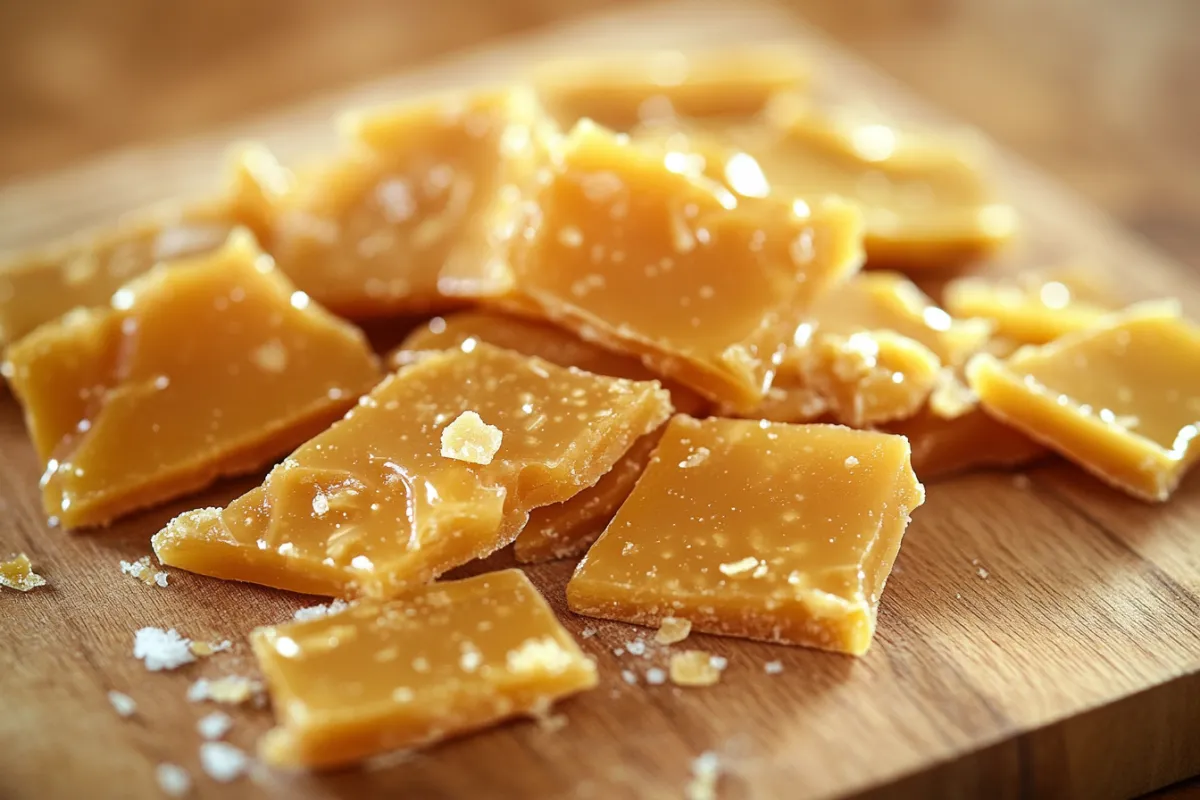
1032, 308
84, 271
17, 573
1121, 399
621, 90
666, 266
203, 367
415, 212
926, 203
872, 351
449, 658
943, 446
372, 506
765, 530
568, 528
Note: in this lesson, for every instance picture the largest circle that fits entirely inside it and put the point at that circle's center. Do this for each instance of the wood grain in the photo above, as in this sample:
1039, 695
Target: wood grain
1041, 640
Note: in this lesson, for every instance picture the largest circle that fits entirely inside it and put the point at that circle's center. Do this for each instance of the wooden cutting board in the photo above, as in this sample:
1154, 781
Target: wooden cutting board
1038, 638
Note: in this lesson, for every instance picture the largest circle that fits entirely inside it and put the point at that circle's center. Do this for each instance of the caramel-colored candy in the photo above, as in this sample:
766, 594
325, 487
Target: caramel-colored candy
925, 201
779, 532
1121, 399
17, 573
866, 378
447, 659
532, 338
874, 301
563, 529
200, 368
973, 439
83, 271
624, 89
668, 267
371, 506
872, 351
567, 529
417, 210
1031, 308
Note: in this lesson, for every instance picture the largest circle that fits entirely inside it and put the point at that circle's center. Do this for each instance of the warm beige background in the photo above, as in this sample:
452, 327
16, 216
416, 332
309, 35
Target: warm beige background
1104, 94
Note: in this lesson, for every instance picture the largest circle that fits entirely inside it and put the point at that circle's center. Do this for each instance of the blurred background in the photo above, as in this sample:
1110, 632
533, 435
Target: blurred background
1104, 94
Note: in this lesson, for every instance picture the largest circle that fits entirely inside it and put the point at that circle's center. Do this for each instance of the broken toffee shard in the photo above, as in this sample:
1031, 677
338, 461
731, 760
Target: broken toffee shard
203, 367
446, 659
372, 507
785, 533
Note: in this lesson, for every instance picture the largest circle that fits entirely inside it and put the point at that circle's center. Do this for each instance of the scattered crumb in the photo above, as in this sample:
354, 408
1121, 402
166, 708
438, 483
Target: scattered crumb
587, 633
162, 649
387, 760
318, 611
222, 761
706, 771
655, 676
629, 676
208, 648
1021, 481
468, 438
214, 725
696, 668
552, 723
851, 461
17, 573
123, 703
635, 647
980, 571
145, 573
232, 689
773, 667
173, 779
673, 630
618, 651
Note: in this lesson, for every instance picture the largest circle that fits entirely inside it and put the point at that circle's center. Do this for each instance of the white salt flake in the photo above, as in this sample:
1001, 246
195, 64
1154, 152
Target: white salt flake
706, 771
735, 567
222, 761
319, 611
655, 676
629, 676
232, 689
697, 457
851, 461
214, 725
173, 779
161, 649
773, 667
636, 647
123, 703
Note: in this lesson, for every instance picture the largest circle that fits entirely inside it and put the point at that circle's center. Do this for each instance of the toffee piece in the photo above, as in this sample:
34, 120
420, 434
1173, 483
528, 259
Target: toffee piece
202, 367
785, 533
446, 659
372, 507
1121, 399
